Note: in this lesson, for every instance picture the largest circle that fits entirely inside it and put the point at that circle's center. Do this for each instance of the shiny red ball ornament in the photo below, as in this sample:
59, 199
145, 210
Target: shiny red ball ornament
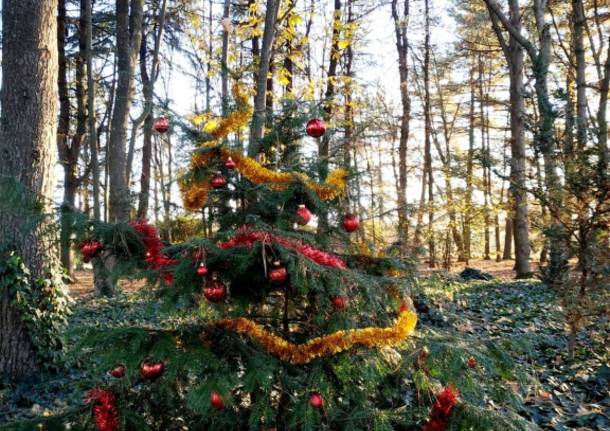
230, 164
339, 302
303, 215
316, 400
315, 127
151, 370
218, 181
217, 401
202, 271
90, 249
472, 362
118, 371
215, 290
351, 223
278, 273
161, 125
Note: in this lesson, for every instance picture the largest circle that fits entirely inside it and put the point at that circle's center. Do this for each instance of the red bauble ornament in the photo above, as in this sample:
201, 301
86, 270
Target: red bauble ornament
202, 270
351, 222
161, 125
278, 274
316, 400
472, 362
340, 302
217, 401
90, 249
230, 164
303, 215
315, 127
151, 370
118, 371
105, 415
215, 290
218, 181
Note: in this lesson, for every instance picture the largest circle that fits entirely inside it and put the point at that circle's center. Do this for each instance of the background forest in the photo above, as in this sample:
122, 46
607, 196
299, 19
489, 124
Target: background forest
474, 137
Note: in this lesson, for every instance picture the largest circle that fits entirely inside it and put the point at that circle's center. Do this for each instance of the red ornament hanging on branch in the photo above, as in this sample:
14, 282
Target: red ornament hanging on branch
151, 370
118, 371
339, 302
278, 273
218, 181
217, 401
202, 271
316, 400
215, 290
351, 223
105, 415
230, 164
90, 249
446, 400
161, 125
315, 127
472, 362
303, 215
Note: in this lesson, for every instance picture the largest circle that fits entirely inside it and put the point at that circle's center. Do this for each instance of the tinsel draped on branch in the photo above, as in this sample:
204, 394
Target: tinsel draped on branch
246, 237
300, 354
195, 191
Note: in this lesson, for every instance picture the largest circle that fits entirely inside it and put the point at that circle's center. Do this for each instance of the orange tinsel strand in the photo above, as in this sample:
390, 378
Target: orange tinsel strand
327, 345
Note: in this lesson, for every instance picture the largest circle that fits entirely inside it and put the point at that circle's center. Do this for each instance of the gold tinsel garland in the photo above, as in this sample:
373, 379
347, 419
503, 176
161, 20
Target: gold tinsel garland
195, 192
299, 354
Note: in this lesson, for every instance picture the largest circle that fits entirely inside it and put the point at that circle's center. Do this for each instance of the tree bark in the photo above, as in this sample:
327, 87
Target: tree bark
401, 28
29, 102
149, 79
92, 133
513, 52
258, 117
128, 37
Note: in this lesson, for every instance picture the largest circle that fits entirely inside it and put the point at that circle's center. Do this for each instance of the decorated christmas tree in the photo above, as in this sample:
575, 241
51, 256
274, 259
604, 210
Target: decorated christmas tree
274, 322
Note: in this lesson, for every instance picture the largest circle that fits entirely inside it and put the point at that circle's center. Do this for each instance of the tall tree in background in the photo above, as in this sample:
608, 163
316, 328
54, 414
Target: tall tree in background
149, 78
401, 28
260, 98
428, 136
29, 101
540, 56
129, 15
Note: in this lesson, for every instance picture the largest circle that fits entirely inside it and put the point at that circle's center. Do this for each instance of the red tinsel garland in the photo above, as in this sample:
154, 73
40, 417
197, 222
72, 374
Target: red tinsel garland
154, 257
105, 413
441, 410
246, 237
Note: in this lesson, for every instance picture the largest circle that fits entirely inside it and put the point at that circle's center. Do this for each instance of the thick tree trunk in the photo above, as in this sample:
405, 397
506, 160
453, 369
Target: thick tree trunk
27, 151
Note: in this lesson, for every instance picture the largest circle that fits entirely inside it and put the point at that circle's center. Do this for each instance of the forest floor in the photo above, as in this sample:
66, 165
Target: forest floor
514, 330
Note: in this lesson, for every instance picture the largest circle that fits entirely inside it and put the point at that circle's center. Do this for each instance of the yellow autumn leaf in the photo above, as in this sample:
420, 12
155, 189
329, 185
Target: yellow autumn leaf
343, 44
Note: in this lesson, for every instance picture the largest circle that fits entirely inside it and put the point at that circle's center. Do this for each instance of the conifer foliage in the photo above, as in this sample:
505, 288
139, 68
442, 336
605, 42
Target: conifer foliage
257, 335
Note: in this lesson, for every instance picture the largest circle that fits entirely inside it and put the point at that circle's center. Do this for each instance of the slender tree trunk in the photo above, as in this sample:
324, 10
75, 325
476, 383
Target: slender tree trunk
148, 89
427, 138
486, 161
29, 102
128, 37
513, 51
468, 210
92, 134
258, 117
508, 238
401, 28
